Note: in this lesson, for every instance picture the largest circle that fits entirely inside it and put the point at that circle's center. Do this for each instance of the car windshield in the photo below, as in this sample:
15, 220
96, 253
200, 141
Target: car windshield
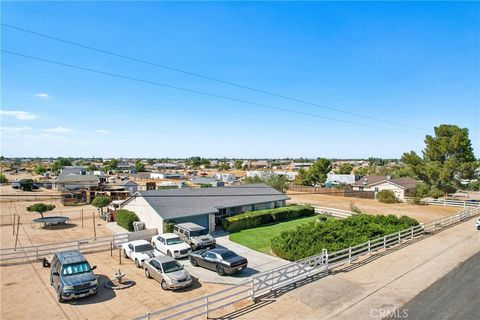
229, 255
197, 233
76, 268
143, 247
174, 241
171, 266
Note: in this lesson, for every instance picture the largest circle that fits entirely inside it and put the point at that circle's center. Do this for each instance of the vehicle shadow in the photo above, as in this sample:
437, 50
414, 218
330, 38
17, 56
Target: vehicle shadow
195, 285
103, 294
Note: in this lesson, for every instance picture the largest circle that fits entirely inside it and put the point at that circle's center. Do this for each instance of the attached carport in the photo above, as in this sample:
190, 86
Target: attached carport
201, 220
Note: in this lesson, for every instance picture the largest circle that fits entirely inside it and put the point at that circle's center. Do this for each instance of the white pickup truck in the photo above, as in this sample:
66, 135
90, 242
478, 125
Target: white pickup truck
139, 251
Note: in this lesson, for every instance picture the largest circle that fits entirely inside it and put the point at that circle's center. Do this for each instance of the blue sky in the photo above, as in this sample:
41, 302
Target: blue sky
412, 63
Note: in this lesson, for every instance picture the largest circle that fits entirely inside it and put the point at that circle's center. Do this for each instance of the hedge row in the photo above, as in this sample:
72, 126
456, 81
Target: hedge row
310, 238
253, 219
126, 218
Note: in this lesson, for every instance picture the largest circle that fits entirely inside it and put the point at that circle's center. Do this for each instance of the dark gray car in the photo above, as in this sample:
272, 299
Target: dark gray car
71, 276
223, 261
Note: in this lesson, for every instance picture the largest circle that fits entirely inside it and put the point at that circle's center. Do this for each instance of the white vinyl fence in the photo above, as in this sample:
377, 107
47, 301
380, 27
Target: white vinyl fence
36, 252
452, 203
280, 277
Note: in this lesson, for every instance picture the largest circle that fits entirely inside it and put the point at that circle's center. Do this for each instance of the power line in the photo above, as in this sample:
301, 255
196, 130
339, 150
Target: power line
225, 82
120, 76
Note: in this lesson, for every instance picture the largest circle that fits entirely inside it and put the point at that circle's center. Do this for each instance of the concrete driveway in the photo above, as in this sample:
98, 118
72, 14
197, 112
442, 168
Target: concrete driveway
257, 262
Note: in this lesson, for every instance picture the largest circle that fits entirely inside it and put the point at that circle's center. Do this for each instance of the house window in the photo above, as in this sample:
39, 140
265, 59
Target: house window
360, 188
376, 189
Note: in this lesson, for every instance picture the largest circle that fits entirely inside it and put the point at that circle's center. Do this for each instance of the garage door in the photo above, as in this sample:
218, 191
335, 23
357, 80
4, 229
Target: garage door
201, 220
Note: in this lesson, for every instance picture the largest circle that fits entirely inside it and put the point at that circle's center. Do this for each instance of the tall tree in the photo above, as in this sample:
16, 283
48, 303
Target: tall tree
345, 168
101, 202
317, 173
448, 157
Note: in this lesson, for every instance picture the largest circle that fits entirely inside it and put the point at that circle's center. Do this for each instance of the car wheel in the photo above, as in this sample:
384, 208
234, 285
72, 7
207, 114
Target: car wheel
193, 262
220, 270
125, 254
213, 246
164, 285
169, 253
137, 263
147, 274
59, 295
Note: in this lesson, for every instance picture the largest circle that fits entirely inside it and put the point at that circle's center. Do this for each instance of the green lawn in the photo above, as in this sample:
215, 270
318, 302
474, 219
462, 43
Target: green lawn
259, 238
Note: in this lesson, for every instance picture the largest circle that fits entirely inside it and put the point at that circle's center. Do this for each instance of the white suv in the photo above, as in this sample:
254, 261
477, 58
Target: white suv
171, 245
139, 251
477, 224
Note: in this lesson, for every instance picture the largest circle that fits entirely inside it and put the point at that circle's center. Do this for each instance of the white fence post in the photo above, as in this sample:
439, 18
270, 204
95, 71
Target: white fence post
411, 233
350, 255
206, 306
252, 288
325, 258
369, 246
384, 242
399, 237
36, 252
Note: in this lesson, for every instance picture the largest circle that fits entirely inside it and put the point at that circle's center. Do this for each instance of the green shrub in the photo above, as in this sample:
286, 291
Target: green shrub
168, 226
253, 219
126, 218
387, 196
310, 238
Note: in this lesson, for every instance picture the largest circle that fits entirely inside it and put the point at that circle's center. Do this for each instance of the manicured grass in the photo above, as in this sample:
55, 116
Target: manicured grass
259, 238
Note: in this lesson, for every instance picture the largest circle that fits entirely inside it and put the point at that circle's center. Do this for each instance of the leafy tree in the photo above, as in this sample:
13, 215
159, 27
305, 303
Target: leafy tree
196, 162
59, 163
222, 166
101, 202
276, 181
345, 168
362, 171
113, 163
150, 161
40, 169
91, 167
26, 184
387, 196
317, 173
447, 158
139, 166
238, 164
40, 208
3, 179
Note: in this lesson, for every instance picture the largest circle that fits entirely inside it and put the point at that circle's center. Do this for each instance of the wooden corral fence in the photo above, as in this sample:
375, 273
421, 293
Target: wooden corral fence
87, 245
334, 192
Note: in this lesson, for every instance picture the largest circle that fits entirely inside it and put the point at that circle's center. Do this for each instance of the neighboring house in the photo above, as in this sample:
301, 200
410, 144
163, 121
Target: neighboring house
204, 206
158, 175
73, 170
207, 181
225, 177
300, 165
402, 187
70, 182
130, 186
335, 178
260, 164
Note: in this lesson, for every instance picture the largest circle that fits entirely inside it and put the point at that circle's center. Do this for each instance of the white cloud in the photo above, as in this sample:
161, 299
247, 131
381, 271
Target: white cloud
42, 95
58, 129
45, 136
20, 115
103, 131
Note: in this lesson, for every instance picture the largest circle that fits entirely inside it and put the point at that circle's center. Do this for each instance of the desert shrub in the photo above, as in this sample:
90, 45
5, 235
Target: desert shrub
355, 209
387, 196
3, 179
310, 238
126, 218
253, 219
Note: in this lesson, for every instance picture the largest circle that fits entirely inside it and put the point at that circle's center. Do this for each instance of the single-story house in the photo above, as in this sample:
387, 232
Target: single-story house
402, 187
300, 165
204, 206
158, 175
225, 177
73, 170
207, 181
335, 178
69, 182
130, 186
168, 166
289, 174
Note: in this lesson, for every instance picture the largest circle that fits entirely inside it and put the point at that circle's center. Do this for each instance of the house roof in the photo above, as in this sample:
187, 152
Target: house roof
185, 202
370, 180
76, 178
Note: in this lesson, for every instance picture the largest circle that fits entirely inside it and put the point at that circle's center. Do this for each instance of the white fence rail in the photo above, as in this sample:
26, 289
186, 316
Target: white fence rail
452, 203
36, 252
268, 281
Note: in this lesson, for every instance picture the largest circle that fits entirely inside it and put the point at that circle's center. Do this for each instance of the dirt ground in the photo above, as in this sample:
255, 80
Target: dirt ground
420, 213
29, 283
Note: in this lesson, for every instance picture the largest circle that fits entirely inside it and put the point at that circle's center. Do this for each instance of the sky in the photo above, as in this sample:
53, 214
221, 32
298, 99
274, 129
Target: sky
377, 76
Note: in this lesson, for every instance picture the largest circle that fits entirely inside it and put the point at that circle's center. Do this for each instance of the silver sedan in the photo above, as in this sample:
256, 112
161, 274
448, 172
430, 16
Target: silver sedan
168, 272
